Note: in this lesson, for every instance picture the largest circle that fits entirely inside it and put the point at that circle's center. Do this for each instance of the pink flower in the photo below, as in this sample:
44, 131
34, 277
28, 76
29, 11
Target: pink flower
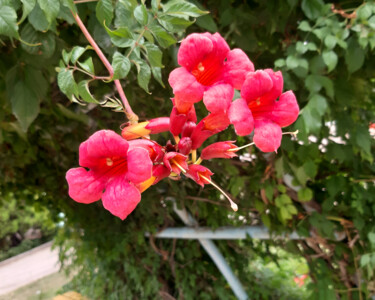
199, 174
219, 150
207, 127
113, 168
260, 108
208, 68
178, 118
175, 162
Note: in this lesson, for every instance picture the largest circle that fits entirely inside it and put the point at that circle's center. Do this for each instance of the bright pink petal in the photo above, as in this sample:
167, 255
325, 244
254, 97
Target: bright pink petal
84, 186
198, 173
174, 161
185, 86
256, 85
286, 110
160, 172
267, 135
101, 145
277, 87
193, 50
240, 116
121, 198
218, 98
139, 165
219, 150
158, 125
237, 66
220, 47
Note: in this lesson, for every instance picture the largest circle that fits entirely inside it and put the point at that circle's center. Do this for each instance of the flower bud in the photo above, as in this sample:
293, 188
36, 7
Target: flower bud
184, 145
219, 150
152, 126
188, 129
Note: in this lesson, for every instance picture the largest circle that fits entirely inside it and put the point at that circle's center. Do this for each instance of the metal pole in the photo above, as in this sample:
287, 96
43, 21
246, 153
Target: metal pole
215, 254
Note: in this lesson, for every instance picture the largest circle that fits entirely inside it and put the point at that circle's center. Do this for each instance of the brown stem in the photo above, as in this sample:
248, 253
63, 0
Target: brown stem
133, 118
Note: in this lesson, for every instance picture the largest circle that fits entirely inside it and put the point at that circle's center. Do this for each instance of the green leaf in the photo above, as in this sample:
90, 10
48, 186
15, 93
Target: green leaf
38, 19
67, 84
50, 8
154, 55
84, 92
174, 24
71, 115
310, 168
292, 62
330, 41
25, 104
77, 51
31, 36
87, 65
305, 194
121, 65
144, 74
266, 220
330, 59
312, 8
156, 72
164, 38
180, 8
28, 6
69, 4
208, 23
104, 11
8, 22
304, 26
315, 83
354, 56
140, 14
35, 80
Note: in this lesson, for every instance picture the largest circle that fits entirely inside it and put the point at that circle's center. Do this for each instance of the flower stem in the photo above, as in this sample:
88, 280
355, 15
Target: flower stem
133, 118
194, 156
198, 161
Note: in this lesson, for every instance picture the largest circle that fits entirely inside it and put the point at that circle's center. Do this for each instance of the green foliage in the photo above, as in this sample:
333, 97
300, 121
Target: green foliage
326, 57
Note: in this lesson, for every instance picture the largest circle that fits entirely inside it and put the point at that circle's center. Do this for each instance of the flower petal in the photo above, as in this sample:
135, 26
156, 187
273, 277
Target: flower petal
139, 165
277, 86
121, 198
286, 110
193, 50
185, 86
240, 116
256, 85
267, 135
102, 144
237, 66
218, 98
84, 186
220, 47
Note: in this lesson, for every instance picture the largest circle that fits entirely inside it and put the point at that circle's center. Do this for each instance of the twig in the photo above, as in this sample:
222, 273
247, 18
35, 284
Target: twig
133, 118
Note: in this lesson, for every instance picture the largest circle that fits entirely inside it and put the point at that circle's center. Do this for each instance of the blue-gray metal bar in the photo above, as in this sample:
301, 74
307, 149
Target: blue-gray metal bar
222, 233
215, 254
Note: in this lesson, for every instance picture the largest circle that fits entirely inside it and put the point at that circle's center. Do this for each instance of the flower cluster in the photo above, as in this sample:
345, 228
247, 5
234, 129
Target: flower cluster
124, 166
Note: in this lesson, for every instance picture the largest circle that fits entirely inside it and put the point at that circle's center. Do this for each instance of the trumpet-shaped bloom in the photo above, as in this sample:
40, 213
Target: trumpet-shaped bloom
207, 63
113, 167
219, 150
199, 174
152, 126
259, 108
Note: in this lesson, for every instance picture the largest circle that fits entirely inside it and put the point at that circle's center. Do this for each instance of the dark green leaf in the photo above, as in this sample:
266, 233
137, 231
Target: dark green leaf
104, 11
304, 26
67, 84
8, 22
154, 55
84, 92
121, 65
163, 37
50, 8
156, 72
180, 8
312, 8
174, 24
330, 41
77, 51
354, 56
87, 65
38, 19
28, 6
144, 74
25, 104
33, 37
208, 23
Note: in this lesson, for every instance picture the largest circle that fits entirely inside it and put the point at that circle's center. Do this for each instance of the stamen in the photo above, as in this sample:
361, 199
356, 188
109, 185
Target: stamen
294, 133
239, 148
198, 161
194, 155
232, 204
178, 165
200, 67
109, 162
